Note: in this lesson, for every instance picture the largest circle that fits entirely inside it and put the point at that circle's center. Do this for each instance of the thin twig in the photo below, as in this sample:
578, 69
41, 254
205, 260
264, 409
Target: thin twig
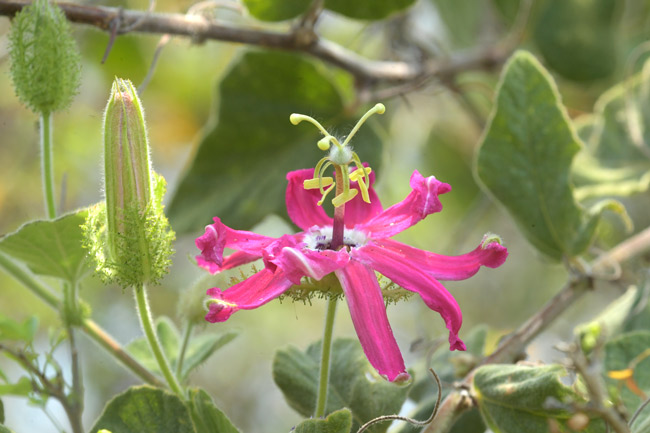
626, 250
638, 411
199, 28
596, 389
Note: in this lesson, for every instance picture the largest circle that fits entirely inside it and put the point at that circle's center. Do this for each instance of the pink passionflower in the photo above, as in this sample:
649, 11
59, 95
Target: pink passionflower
368, 248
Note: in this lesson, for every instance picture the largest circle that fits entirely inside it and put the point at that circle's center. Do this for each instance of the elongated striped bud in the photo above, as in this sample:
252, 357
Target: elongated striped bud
136, 246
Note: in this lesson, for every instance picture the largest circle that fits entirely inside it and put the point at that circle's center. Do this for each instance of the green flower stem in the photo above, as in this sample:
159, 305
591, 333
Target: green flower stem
181, 355
47, 164
325, 359
154, 344
91, 328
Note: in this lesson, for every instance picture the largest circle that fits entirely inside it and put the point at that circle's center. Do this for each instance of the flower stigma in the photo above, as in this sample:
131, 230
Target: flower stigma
341, 156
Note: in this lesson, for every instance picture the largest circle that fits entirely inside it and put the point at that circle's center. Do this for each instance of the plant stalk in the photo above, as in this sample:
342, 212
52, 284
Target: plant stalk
47, 170
152, 338
181, 355
325, 359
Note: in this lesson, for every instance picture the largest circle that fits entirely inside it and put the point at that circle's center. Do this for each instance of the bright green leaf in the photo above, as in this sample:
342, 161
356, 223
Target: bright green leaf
21, 388
144, 409
367, 9
354, 383
51, 248
239, 171
12, 330
578, 38
339, 421
202, 347
514, 398
627, 364
206, 416
279, 10
525, 161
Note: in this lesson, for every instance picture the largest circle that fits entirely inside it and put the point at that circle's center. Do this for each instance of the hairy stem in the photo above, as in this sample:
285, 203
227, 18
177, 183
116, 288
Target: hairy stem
149, 332
47, 171
325, 359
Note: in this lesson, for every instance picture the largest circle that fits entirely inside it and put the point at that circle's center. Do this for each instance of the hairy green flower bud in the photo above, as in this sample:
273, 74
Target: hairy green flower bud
45, 61
129, 237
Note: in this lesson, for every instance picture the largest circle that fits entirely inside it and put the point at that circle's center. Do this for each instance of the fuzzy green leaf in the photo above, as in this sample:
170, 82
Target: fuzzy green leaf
240, 168
514, 399
354, 383
144, 409
339, 421
51, 248
206, 416
578, 38
525, 161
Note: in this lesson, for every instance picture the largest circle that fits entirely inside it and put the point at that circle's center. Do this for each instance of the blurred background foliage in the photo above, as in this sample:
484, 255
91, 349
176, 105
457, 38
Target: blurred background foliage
220, 135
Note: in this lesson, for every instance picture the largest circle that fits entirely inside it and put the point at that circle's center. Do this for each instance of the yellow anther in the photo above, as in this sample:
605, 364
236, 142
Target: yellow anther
317, 183
359, 173
327, 191
364, 190
344, 197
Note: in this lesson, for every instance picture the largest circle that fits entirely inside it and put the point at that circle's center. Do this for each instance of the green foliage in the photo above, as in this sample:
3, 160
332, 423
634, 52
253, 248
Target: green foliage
239, 170
627, 362
200, 348
525, 161
206, 416
279, 10
609, 321
579, 38
144, 409
12, 330
50, 248
22, 388
339, 421
4, 429
616, 160
45, 61
514, 399
2, 412
461, 20
354, 383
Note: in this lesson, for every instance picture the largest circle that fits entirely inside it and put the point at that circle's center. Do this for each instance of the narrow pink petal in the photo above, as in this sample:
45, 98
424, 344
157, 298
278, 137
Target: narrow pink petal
422, 201
402, 272
251, 293
218, 236
358, 211
370, 321
296, 261
438, 266
302, 204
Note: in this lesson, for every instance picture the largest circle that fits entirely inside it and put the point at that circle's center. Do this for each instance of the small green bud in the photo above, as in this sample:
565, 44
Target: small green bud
130, 236
45, 61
